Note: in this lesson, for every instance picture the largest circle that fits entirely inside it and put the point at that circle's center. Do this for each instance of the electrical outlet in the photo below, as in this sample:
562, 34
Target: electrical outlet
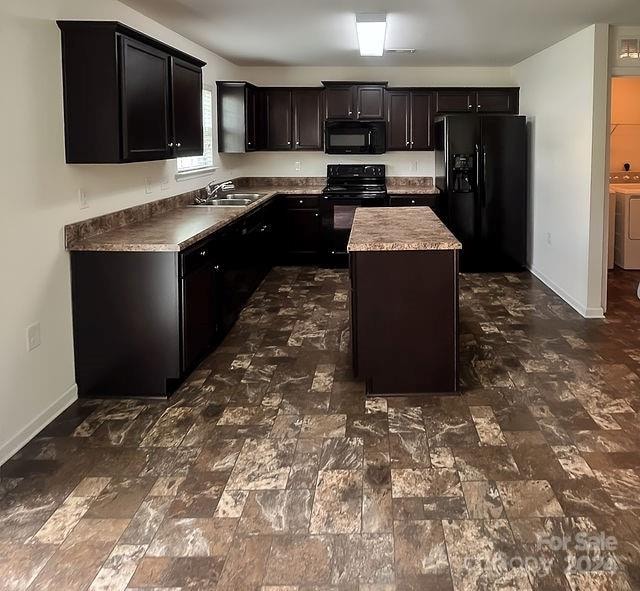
33, 336
298, 166
414, 166
82, 199
147, 186
549, 238
164, 184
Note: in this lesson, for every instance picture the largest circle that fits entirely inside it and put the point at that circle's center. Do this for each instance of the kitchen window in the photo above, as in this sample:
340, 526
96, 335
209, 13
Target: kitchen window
192, 165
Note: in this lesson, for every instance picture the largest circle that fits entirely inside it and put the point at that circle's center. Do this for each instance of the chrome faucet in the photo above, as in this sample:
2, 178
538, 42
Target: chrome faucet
212, 190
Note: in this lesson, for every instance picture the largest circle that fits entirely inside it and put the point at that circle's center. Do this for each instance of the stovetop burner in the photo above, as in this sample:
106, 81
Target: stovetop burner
361, 179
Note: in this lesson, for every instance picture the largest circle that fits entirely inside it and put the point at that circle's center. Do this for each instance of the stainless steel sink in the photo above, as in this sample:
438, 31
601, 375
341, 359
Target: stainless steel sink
252, 196
231, 200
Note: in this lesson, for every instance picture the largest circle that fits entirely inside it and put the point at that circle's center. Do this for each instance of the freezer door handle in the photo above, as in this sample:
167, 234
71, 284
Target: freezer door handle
478, 182
484, 175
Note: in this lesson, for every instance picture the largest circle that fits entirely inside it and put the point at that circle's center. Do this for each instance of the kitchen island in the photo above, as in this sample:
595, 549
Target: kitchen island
403, 267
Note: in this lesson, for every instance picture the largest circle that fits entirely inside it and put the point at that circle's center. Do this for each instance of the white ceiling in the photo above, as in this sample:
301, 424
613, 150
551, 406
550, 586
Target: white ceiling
323, 33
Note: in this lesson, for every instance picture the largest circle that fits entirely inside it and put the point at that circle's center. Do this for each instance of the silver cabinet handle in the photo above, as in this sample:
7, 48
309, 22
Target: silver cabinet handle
479, 106
350, 113
413, 201
359, 113
408, 143
203, 253
297, 143
317, 215
178, 144
288, 143
171, 144
469, 106
216, 267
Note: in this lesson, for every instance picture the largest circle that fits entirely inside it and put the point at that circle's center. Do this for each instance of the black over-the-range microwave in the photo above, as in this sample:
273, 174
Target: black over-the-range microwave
355, 137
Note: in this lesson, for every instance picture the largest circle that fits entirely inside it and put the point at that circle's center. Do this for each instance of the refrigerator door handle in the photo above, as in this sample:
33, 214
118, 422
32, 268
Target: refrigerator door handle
477, 168
484, 175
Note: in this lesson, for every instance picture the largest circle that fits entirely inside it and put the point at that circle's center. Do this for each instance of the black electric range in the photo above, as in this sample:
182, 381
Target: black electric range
349, 186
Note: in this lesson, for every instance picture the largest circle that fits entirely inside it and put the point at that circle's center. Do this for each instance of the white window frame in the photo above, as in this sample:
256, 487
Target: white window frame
193, 166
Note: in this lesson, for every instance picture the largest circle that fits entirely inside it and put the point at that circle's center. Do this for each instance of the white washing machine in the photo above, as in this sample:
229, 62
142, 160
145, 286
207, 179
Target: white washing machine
627, 244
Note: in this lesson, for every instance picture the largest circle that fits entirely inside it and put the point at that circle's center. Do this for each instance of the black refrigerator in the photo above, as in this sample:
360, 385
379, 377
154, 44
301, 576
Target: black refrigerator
481, 171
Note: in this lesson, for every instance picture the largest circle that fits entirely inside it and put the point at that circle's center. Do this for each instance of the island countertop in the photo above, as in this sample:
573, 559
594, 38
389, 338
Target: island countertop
399, 228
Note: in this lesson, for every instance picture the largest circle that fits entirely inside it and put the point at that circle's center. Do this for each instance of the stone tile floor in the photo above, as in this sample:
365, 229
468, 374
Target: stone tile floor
269, 470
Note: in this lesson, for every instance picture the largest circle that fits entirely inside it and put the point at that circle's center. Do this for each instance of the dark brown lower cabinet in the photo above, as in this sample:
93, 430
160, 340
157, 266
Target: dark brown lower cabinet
428, 200
300, 230
143, 320
404, 321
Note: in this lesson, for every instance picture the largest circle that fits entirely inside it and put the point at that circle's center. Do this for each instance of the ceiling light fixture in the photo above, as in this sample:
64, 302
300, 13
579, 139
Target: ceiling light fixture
372, 29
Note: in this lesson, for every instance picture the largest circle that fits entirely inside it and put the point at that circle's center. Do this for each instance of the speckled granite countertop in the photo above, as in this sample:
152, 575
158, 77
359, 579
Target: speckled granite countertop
397, 185
400, 190
399, 228
182, 227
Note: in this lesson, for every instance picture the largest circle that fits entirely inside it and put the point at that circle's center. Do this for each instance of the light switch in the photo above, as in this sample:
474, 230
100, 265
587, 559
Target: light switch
82, 199
33, 336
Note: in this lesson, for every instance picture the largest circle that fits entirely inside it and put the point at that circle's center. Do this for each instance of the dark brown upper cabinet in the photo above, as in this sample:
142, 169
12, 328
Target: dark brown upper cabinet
466, 100
186, 107
278, 106
398, 120
127, 96
370, 102
409, 120
294, 118
307, 119
354, 100
241, 117
339, 102
497, 101
455, 101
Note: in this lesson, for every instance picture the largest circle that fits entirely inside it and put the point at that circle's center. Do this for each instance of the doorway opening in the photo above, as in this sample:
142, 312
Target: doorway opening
623, 232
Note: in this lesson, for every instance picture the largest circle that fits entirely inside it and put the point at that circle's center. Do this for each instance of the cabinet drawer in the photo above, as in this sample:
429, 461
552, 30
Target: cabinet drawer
301, 201
196, 257
409, 200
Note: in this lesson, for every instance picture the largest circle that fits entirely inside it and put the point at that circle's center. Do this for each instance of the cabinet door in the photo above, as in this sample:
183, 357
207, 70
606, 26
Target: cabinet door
398, 120
307, 119
144, 99
251, 118
497, 101
421, 120
198, 315
186, 86
370, 102
301, 232
455, 101
339, 102
278, 119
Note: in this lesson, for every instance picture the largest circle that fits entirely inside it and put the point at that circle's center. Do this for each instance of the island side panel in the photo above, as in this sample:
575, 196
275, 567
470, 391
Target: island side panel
405, 320
125, 323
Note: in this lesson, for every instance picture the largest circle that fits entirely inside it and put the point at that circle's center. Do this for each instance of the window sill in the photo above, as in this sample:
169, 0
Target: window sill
192, 174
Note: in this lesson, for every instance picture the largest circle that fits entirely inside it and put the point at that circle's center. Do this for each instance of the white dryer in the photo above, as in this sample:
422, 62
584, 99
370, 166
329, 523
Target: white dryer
627, 244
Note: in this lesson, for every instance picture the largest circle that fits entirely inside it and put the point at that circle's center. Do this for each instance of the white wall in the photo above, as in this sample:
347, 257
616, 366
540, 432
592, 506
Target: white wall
398, 163
425, 76
39, 196
563, 90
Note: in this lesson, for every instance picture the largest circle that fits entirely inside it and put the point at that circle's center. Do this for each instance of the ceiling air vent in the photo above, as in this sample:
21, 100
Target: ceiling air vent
400, 50
629, 49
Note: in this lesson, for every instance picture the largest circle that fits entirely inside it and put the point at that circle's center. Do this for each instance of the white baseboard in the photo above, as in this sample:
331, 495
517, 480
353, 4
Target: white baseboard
575, 304
8, 448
